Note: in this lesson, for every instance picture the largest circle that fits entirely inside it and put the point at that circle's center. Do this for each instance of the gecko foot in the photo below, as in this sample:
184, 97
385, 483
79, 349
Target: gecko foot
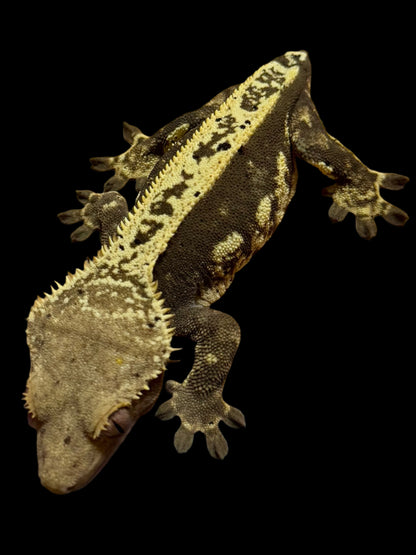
363, 199
199, 413
102, 211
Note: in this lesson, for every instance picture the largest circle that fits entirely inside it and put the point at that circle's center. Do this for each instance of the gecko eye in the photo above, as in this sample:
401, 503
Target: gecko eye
119, 423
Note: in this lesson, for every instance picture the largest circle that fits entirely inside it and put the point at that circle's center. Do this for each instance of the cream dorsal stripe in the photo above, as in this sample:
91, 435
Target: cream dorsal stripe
188, 176
198, 164
219, 180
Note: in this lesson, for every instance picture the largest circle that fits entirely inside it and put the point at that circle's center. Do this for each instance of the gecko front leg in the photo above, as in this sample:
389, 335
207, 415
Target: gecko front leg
198, 400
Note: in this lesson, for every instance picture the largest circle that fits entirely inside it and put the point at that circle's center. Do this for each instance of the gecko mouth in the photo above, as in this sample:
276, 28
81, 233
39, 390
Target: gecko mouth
69, 461
70, 470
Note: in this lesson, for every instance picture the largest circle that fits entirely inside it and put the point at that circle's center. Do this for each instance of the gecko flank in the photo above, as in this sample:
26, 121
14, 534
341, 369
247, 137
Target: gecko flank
212, 187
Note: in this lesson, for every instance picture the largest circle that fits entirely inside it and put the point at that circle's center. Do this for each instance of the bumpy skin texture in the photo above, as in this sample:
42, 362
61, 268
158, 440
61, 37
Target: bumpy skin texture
213, 186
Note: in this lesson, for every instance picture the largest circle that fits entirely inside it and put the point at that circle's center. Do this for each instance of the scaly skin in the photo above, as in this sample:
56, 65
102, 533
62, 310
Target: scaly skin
213, 186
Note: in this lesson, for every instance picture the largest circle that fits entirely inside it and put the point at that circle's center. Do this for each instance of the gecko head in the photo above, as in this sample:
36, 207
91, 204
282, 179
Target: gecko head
69, 456
95, 369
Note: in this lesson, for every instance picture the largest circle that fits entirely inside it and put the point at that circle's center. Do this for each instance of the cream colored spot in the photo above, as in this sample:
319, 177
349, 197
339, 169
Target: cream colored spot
110, 205
226, 249
223, 211
282, 171
305, 116
211, 359
227, 124
264, 210
325, 168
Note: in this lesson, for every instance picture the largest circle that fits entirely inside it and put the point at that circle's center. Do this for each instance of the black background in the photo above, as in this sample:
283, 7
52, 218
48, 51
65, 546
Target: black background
324, 370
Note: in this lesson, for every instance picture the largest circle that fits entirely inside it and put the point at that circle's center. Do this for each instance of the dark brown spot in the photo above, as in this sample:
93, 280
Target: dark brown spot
161, 208
144, 236
223, 146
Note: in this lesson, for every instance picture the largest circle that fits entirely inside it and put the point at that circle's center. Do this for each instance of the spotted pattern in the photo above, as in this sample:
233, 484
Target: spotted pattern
198, 164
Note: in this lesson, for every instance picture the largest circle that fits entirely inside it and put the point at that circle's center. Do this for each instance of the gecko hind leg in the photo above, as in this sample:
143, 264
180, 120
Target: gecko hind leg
101, 211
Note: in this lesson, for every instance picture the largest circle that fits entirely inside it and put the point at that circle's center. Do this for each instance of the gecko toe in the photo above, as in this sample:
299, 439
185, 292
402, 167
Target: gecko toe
75, 216
337, 213
172, 386
183, 439
102, 163
366, 227
115, 183
70, 217
84, 195
81, 233
166, 411
216, 443
393, 181
235, 418
394, 215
